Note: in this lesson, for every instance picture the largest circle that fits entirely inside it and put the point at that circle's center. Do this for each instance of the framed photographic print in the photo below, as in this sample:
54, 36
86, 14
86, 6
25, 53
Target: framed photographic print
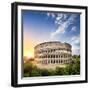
49, 44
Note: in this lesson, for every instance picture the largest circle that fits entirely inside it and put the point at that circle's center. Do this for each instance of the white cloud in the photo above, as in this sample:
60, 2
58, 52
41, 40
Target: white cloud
63, 23
75, 39
65, 16
59, 16
58, 31
74, 28
48, 14
75, 50
51, 14
72, 18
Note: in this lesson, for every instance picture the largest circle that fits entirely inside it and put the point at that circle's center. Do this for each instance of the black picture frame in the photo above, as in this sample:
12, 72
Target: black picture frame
14, 43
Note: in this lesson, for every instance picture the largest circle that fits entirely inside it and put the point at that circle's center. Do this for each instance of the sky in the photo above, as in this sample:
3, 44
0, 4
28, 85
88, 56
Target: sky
39, 27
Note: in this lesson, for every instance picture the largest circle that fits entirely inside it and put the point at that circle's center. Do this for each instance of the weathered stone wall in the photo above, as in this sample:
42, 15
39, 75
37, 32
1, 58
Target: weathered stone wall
52, 54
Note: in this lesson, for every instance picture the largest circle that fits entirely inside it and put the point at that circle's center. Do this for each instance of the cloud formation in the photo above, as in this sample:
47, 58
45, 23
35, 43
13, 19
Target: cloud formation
74, 28
75, 39
75, 50
63, 21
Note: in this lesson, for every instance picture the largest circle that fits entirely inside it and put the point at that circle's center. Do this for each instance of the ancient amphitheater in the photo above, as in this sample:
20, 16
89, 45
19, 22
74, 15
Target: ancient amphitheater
52, 54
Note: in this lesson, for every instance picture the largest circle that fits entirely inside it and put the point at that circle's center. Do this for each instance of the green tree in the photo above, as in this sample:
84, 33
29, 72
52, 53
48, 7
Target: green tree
28, 69
31, 70
59, 71
45, 72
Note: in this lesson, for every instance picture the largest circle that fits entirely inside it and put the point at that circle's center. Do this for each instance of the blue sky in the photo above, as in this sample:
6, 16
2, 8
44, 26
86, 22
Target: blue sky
52, 26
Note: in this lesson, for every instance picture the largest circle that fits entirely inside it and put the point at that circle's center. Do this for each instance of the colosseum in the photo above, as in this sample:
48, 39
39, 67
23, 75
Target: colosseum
53, 54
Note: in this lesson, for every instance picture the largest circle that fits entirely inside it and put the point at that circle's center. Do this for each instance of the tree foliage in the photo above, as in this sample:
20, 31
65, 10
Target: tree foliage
72, 69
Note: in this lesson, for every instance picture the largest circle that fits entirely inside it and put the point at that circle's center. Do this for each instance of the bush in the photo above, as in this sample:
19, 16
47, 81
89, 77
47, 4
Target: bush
28, 67
44, 72
72, 69
26, 74
59, 71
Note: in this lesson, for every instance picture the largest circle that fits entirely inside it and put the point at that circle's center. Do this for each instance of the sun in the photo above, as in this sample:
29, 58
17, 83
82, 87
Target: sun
29, 55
